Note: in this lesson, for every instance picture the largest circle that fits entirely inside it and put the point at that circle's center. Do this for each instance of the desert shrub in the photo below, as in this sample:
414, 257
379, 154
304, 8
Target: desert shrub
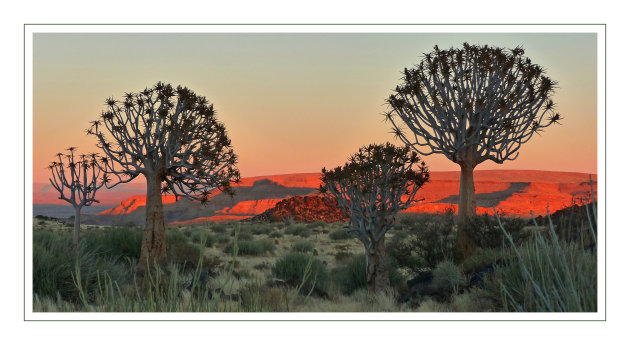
218, 228
342, 255
303, 246
55, 263
299, 269
184, 254
296, 229
425, 242
485, 232
251, 247
202, 235
275, 234
474, 301
222, 238
549, 276
316, 224
258, 297
340, 235
174, 237
482, 257
352, 276
119, 243
447, 276
244, 234
261, 228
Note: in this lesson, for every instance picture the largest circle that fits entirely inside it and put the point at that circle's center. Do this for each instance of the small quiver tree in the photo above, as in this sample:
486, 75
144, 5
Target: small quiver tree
170, 136
77, 182
371, 188
472, 105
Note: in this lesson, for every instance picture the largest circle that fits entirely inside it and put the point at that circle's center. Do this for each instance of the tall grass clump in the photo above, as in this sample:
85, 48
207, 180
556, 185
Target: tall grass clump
55, 261
297, 229
301, 271
118, 242
353, 275
261, 228
447, 276
340, 235
303, 246
200, 235
549, 276
424, 242
251, 247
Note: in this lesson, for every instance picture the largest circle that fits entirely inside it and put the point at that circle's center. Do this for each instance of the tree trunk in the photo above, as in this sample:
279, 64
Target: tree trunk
154, 237
377, 277
467, 209
467, 198
77, 226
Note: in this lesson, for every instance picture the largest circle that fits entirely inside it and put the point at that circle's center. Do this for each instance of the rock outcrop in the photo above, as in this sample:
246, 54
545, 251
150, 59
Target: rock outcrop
303, 209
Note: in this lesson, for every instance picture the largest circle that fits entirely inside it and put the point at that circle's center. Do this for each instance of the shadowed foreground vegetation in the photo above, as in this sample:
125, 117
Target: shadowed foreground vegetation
519, 265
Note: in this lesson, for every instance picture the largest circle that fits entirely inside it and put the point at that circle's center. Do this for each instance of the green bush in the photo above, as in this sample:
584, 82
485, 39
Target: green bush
222, 238
199, 235
485, 232
424, 243
119, 243
174, 237
184, 254
549, 276
55, 263
298, 230
299, 269
482, 257
339, 235
218, 228
303, 246
275, 234
244, 234
353, 275
251, 247
261, 228
447, 276
317, 224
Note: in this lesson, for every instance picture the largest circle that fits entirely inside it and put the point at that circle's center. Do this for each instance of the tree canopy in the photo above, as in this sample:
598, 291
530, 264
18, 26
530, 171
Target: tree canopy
170, 133
483, 100
376, 183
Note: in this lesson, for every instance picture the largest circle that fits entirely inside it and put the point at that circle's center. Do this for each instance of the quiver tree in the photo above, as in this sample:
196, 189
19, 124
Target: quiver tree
376, 183
170, 136
77, 182
471, 105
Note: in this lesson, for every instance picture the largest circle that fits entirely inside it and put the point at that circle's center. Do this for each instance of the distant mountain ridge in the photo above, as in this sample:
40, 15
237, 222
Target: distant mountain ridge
512, 192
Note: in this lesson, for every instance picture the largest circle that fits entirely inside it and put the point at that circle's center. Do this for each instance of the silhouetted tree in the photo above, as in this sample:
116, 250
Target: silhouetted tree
471, 105
170, 136
371, 188
76, 182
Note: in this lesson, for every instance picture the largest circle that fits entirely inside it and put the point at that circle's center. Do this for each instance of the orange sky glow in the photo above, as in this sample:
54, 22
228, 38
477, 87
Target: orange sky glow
294, 103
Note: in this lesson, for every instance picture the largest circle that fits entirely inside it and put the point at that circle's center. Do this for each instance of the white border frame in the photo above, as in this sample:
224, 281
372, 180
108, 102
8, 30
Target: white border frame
31, 29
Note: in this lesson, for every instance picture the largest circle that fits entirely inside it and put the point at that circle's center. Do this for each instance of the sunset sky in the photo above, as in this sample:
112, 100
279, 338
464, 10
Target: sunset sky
294, 103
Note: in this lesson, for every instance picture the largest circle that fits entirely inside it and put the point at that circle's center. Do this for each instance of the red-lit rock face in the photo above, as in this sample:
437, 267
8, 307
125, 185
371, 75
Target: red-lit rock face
512, 192
214, 219
131, 204
250, 207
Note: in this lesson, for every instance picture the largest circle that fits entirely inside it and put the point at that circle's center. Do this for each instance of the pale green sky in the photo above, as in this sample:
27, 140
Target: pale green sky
294, 102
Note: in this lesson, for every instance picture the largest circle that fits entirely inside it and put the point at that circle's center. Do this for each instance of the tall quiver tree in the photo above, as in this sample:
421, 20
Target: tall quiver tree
170, 136
376, 183
77, 182
472, 104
